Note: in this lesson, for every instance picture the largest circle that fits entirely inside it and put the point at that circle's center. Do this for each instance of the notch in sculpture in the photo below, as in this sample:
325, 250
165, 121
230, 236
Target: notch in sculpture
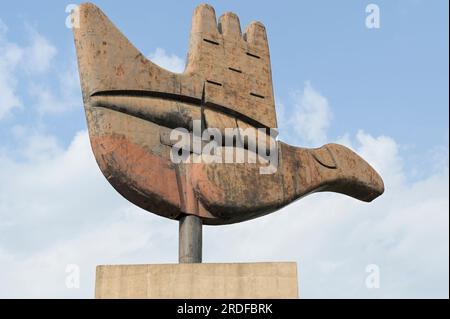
132, 105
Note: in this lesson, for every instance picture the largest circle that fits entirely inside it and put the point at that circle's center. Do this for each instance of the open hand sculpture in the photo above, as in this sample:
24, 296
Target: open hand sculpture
133, 105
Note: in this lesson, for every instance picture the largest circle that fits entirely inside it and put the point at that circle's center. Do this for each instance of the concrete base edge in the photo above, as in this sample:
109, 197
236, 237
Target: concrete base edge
266, 280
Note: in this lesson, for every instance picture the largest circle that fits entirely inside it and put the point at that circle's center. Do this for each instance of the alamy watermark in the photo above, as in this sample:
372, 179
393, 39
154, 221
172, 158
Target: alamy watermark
73, 19
230, 145
373, 16
73, 276
373, 277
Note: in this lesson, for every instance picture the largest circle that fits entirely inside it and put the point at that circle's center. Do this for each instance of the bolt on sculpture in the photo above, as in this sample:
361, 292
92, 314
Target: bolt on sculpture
132, 106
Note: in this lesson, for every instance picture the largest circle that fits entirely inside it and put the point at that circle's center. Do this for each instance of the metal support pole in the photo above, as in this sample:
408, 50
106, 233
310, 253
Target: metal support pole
190, 240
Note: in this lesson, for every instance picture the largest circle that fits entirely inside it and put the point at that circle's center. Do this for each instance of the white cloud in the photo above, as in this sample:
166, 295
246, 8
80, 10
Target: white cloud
375, 150
60, 95
58, 98
72, 216
333, 238
22, 62
56, 209
3, 28
171, 62
10, 56
35, 146
311, 117
39, 53
53, 206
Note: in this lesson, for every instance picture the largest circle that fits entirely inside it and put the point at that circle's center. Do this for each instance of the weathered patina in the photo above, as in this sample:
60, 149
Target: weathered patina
132, 104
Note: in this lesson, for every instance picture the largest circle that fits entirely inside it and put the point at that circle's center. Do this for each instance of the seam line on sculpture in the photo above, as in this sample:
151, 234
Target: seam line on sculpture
257, 95
174, 97
145, 93
230, 112
253, 55
202, 109
211, 41
214, 82
235, 70
317, 158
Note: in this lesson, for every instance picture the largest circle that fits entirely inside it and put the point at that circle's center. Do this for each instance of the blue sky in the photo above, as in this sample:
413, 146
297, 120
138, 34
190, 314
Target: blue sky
383, 92
391, 80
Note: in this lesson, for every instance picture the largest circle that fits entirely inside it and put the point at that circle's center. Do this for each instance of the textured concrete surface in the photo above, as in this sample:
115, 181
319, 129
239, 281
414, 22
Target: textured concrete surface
276, 280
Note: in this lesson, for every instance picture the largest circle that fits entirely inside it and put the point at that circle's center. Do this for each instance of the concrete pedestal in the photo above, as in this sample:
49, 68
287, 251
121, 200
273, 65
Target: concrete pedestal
191, 281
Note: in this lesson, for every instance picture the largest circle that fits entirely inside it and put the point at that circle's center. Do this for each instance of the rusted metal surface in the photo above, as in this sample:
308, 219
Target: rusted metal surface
131, 105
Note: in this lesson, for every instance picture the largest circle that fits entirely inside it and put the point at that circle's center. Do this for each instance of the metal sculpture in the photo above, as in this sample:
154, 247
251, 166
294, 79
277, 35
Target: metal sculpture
132, 107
